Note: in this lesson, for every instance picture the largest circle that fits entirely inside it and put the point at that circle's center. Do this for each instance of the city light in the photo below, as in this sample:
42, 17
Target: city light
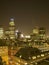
16, 32
12, 23
12, 19
22, 36
26, 63
24, 32
14, 39
27, 36
34, 57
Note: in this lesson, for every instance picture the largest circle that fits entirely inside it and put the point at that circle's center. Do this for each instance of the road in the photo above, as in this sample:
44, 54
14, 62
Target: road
19, 61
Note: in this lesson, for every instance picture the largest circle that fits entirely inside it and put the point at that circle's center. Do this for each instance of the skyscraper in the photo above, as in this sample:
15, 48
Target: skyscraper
12, 29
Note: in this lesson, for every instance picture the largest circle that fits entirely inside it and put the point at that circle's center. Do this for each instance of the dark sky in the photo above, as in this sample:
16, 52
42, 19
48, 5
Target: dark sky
27, 14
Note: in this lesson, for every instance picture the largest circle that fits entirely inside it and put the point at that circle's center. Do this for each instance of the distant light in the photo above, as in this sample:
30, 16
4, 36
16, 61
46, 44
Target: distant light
22, 36
12, 19
17, 31
26, 63
38, 56
27, 36
12, 37
42, 55
34, 57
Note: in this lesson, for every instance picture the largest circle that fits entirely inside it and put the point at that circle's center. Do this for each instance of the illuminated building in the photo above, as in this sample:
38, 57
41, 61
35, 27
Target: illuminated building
35, 34
1, 33
36, 30
38, 36
12, 29
42, 32
7, 34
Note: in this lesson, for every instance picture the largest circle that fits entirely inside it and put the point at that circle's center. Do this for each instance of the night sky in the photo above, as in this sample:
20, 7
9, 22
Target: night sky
27, 14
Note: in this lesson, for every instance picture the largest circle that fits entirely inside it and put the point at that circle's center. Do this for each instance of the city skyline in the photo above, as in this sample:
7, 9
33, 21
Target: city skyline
27, 14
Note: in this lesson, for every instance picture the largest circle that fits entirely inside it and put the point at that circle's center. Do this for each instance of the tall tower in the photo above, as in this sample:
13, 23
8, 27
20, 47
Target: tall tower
12, 29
